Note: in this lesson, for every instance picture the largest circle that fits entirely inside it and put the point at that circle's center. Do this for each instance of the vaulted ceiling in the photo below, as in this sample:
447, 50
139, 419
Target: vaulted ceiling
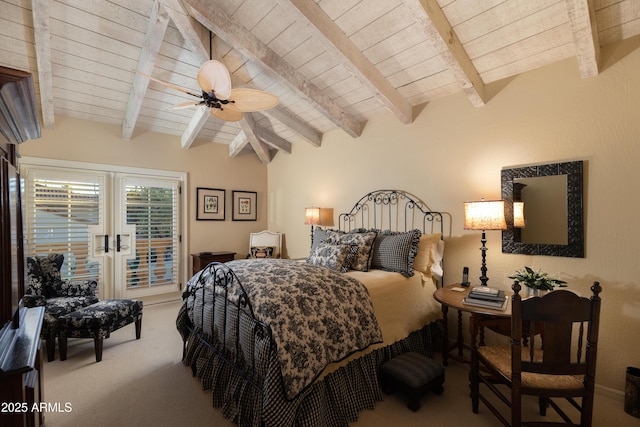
332, 63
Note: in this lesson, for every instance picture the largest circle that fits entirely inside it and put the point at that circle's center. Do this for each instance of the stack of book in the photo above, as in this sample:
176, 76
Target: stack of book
484, 296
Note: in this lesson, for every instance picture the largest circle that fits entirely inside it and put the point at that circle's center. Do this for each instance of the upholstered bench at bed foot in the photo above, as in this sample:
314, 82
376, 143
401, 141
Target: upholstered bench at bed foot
413, 373
97, 321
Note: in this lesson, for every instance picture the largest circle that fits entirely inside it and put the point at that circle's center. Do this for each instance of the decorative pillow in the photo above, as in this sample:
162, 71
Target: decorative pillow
396, 251
364, 241
333, 256
426, 255
262, 251
319, 236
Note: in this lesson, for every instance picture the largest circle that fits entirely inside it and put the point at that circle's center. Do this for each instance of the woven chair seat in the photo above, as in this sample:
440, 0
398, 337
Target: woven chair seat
500, 358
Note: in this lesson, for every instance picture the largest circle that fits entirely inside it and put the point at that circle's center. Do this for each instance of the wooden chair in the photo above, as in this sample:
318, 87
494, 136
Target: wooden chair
559, 362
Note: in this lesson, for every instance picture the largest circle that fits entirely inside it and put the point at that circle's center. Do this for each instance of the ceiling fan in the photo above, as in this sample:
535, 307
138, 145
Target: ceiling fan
224, 103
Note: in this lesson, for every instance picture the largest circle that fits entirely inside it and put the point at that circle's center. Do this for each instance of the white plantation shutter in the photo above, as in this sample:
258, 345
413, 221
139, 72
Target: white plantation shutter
151, 208
59, 209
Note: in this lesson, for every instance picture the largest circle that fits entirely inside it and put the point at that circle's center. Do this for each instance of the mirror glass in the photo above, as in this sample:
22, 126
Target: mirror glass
552, 196
545, 209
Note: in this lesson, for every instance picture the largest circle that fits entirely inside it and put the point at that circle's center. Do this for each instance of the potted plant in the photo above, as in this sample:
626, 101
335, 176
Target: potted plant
537, 280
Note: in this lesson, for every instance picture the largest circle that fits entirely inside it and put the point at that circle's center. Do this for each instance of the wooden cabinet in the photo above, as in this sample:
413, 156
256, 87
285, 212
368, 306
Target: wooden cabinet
20, 353
20, 358
202, 259
21, 371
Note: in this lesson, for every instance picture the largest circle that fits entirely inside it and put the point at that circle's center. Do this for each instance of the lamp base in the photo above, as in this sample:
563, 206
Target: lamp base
484, 279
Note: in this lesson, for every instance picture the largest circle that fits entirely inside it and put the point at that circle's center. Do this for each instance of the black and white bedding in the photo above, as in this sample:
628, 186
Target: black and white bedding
317, 315
283, 343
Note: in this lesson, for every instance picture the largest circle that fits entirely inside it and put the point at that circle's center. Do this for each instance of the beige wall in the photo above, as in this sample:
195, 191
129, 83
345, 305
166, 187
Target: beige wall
453, 152
207, 165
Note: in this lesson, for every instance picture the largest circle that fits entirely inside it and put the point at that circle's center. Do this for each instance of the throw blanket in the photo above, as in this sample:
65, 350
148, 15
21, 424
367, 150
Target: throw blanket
317, 315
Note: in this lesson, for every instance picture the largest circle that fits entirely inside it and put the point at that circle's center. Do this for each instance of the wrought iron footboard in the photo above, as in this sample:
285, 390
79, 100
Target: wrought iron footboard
225, 322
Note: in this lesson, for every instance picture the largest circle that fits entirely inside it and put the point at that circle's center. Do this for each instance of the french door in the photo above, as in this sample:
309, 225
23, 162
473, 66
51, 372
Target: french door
120, 228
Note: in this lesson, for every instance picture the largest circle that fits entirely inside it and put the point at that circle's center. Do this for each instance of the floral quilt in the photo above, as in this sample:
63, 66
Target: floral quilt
317, 315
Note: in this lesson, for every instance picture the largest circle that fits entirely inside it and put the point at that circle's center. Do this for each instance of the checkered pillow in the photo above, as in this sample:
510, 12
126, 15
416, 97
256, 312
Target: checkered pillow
395, 251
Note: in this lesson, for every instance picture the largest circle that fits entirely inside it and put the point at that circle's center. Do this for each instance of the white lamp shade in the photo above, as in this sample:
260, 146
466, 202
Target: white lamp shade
484, 215
518, 214
312, 216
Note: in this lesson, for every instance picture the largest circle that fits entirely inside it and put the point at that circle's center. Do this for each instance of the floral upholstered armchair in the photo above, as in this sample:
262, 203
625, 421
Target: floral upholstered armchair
45, 288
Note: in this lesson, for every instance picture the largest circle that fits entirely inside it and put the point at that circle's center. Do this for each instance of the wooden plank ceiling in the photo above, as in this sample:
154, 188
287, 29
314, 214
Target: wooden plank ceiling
334, 64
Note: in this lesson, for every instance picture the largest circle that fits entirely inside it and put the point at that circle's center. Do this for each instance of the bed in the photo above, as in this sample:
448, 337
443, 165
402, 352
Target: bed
299, 343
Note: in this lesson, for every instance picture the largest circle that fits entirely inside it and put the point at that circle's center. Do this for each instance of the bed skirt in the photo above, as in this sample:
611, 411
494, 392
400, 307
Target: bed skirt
334, 401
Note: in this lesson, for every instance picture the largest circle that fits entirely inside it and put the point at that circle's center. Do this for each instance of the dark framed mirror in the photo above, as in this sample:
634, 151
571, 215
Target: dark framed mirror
553, 209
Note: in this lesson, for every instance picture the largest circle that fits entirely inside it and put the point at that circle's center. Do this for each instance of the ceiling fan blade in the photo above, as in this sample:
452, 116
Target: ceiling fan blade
184, 105
247, 100
214, 76
171, 85
228, 114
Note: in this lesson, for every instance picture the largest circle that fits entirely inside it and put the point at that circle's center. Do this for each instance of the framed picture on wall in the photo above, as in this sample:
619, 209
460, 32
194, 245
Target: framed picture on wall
210, 204
245, 206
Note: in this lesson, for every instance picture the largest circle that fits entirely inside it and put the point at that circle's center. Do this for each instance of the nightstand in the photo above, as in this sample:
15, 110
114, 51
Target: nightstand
202, 259
452, 296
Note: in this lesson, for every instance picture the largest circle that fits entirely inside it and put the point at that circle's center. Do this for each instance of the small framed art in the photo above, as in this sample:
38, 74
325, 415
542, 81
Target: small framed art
245, 204
210, 204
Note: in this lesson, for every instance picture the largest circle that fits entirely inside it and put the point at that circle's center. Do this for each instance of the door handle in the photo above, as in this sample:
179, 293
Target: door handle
106, 243
119, 245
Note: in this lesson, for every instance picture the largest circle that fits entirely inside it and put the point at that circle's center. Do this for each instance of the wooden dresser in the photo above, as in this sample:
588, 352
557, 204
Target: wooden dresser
21, 371
202, 259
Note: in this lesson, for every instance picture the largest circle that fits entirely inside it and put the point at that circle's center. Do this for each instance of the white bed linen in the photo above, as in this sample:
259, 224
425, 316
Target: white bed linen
402, 305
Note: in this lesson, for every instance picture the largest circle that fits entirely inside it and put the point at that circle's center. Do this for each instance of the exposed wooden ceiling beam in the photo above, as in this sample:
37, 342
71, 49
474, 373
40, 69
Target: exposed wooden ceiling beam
256, 51
430, 17
585, 34
321, 26
158, 22
248, 126
238, 143
40, 11
303, 130
272, 139
194, 33
200, 117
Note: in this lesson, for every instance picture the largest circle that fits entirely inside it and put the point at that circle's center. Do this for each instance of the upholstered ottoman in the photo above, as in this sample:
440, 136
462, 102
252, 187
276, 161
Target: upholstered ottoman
413, 373
97, 321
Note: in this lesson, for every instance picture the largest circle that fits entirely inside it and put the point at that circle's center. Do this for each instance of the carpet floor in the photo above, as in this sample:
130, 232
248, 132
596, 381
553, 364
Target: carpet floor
143, 383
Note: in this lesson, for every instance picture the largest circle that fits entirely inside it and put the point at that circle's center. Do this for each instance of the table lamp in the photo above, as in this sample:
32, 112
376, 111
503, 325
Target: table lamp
484, 215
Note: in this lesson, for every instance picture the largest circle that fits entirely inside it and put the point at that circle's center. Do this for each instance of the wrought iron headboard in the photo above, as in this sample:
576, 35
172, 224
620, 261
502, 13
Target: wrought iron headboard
394, 210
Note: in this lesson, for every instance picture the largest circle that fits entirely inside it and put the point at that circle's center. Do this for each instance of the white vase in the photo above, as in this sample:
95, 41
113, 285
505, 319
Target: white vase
536, 292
